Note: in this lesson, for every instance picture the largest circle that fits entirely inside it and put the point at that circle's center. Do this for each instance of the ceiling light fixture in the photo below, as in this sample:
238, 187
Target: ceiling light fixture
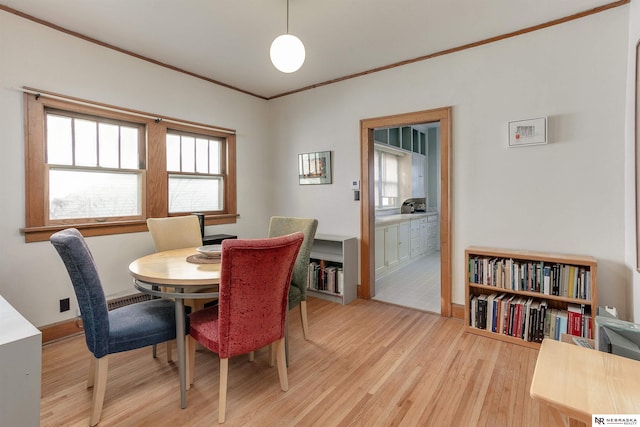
287, 51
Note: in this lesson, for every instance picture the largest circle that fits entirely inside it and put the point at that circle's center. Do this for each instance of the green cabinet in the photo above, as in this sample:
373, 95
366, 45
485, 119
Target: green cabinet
406, 138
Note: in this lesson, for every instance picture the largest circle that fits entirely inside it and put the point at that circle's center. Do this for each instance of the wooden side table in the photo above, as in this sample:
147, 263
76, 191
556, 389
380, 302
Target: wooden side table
576, 382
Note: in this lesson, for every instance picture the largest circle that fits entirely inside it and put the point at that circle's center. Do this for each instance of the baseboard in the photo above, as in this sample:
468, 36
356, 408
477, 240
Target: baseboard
62, 329
457, 311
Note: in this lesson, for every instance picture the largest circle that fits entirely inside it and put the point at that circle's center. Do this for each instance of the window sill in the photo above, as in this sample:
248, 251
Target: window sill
41, 234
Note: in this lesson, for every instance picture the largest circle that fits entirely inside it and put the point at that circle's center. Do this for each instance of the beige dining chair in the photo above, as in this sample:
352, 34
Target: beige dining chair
176, 233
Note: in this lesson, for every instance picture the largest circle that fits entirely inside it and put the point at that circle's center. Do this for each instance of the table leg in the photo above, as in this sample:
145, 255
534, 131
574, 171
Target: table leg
557, 418
182, 359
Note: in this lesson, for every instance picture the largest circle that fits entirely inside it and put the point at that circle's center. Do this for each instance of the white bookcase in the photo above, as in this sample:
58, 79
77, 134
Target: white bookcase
341, 252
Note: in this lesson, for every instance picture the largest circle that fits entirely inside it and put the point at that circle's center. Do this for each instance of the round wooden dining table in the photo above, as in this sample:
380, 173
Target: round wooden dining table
179, 274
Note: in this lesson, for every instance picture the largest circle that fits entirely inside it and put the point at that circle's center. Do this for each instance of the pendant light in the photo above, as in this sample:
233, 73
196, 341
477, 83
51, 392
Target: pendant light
287, 51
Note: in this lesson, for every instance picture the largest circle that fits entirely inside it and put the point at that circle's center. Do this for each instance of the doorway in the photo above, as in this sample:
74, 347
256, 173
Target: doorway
407, 205
367, 219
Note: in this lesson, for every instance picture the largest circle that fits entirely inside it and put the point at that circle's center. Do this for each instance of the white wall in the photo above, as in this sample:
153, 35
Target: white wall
567, 196
32, 276
631, 159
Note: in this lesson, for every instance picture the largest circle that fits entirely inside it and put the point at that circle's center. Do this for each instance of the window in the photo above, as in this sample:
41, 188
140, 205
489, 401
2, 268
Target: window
386, 179
94, 168
105, 171
195, 179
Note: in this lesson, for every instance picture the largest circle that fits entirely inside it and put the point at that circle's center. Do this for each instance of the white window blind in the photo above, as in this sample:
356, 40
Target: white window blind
386, 169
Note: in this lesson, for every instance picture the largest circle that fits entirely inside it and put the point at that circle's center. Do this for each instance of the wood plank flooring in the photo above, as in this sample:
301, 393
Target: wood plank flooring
367, 364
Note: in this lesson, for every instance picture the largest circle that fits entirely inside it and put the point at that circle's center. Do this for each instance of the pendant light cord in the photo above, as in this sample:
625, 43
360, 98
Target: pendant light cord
287, 16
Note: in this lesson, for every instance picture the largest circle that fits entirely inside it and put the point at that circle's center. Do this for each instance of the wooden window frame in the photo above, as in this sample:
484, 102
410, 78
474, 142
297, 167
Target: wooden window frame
155, 191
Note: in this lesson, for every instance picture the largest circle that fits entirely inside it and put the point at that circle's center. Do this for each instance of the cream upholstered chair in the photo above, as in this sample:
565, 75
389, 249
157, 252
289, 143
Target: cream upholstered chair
280, 226
255, 276
176, 233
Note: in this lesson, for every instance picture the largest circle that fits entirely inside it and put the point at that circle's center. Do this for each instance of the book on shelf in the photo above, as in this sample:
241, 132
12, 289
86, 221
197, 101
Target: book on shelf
547, 278
491, 311
326, 277
340, 279
574, 319
473, 309
481, 320
527, 318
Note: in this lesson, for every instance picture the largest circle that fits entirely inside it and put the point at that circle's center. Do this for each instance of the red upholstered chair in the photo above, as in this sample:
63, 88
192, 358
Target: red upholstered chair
255, 276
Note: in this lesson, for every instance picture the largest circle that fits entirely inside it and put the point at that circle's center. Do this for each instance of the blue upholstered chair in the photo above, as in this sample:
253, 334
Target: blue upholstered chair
107, 332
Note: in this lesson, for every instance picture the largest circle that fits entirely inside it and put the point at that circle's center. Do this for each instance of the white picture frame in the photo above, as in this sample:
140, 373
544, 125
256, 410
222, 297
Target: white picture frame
314, 168
528, 132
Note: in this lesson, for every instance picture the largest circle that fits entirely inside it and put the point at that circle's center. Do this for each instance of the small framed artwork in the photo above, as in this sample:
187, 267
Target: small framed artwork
314, 168
528, 132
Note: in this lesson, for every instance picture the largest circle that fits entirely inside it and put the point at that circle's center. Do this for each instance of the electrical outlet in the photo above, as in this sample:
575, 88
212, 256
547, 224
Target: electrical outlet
64, 305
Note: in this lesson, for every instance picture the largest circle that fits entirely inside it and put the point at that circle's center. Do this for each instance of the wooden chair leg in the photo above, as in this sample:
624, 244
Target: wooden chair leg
282, 365
190, 350
222, 402
169, 348
303, 318
92, 371
99, 388
272, 355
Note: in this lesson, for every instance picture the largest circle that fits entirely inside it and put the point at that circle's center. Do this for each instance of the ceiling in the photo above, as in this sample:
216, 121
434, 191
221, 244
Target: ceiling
228, 41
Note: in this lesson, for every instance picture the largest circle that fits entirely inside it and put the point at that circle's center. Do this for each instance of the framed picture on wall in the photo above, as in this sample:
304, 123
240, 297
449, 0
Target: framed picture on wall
314, 168
528, 132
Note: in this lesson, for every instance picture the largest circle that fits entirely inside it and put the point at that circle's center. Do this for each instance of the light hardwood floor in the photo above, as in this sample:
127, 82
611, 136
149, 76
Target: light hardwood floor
367, 364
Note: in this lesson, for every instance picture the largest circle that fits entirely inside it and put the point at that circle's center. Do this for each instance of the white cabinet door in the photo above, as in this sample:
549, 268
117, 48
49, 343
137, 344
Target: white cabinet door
391, 245
433, 239
381, 265
417, 240
404, 241
418, 174
424, 235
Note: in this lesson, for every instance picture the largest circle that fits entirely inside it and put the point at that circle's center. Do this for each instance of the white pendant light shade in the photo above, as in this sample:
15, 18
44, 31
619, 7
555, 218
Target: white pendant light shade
287, 53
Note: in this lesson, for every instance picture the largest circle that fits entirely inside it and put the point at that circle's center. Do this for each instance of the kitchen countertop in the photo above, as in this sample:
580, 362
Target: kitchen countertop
397, 218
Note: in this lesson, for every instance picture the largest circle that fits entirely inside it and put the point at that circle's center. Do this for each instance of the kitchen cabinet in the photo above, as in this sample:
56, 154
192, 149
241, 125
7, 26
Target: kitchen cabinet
418, 175
404, 242
406, 138
418, 236
391, 256
381, 265
393, 246
433, 234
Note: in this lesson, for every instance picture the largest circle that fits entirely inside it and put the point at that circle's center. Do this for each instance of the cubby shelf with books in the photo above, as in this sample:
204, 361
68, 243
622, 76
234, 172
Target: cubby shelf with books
332, 268
525, 296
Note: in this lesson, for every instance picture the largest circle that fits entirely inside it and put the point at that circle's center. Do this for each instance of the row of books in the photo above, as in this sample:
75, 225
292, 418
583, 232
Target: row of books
534, 276
325, 277
527, 318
